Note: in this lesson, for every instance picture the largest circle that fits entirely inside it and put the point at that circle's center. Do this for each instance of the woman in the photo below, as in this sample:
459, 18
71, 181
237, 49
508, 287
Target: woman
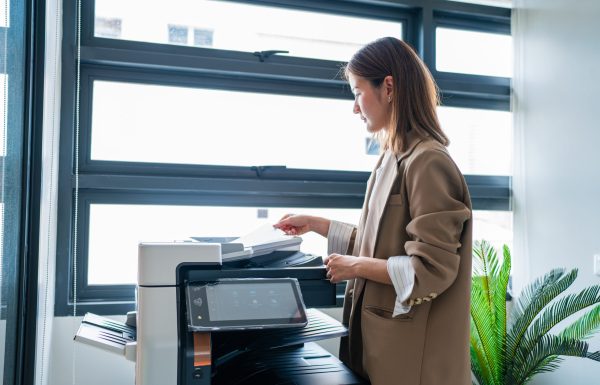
409, 260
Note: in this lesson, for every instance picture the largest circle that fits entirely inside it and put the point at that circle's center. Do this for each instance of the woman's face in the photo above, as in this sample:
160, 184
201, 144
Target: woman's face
371, 103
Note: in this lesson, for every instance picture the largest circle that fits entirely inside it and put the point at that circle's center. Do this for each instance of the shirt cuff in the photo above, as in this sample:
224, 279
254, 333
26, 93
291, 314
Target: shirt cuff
338, 237
402, 274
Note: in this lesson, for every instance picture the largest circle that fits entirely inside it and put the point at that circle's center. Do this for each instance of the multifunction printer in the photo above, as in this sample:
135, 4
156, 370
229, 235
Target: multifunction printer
209, 311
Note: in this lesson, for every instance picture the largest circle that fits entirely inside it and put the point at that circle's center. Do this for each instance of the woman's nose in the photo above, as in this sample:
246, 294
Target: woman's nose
356, 108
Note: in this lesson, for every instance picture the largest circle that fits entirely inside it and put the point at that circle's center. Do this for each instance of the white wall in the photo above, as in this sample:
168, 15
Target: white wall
74, 363
557, 179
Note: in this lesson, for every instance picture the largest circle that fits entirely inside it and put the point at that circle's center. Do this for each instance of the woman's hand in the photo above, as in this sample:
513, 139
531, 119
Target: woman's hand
293, 224
341, 267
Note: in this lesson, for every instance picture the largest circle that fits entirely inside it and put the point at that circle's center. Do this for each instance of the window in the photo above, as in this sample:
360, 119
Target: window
3, 103
469, 52
116, 230
185, 117
203, 37
4, 14
129, 124
178, 34
480, 140
108, 27
246, 27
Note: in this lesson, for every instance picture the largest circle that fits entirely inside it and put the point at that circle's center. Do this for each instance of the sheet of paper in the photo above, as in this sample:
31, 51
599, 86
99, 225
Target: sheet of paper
265, 234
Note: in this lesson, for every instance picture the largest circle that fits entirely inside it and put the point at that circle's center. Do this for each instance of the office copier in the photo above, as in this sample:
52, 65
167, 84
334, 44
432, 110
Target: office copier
210, 312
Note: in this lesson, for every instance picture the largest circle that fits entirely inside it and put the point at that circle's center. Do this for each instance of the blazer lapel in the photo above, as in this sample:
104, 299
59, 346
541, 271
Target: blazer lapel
372, 212
365, 209
377, 201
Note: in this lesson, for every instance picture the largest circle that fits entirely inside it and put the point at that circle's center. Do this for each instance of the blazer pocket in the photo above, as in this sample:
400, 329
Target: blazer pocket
387, 314
395, 199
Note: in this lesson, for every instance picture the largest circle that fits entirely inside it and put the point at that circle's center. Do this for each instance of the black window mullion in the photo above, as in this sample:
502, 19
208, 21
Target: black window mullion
261, 189
474, 91
499, 23
264, 192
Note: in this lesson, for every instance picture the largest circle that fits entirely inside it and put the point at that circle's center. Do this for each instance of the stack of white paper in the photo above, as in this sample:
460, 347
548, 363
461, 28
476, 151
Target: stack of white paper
266, 239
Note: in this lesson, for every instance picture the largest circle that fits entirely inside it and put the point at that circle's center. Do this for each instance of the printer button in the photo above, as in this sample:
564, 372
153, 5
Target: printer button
198, 301
198, 374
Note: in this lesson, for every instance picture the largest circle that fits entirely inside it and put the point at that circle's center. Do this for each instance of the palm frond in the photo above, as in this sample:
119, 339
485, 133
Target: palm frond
584, 327
594, 356
484, 333
499, 289
479, 363
532, 291
500, 295
555, 313
476, 358
488, 310
539, 294
538, 359
548, 364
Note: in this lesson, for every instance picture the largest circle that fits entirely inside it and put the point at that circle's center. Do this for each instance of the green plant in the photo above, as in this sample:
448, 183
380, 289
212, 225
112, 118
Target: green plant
512, 353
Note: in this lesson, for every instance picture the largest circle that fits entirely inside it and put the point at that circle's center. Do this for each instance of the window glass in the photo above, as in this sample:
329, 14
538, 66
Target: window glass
244, 27
480, 140
116, 230
4, 13
108, 27
178, 34
495, 3
3, 104
496, 227
477, 53
147, 123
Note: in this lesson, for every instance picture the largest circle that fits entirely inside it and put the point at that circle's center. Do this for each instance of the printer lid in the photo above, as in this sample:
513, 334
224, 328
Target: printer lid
263, 240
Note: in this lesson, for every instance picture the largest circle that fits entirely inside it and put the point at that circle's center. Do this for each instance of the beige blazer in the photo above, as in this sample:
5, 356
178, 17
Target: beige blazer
423, 210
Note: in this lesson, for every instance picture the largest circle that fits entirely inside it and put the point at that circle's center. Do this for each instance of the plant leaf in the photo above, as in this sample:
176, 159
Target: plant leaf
539, 359
476, 358
482, 329
488, 311
552, 315
584, 327
534, 298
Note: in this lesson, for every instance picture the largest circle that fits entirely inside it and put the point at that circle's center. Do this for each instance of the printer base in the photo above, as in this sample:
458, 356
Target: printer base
307, 364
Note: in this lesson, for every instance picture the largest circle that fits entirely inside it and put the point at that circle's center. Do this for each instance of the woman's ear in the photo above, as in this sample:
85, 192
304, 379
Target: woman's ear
388, 82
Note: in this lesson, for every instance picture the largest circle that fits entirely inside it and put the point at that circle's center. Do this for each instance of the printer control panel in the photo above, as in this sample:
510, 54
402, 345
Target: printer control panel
241, 304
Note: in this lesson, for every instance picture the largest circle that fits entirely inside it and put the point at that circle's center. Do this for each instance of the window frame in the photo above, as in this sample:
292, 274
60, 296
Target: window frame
23, 63
159, 183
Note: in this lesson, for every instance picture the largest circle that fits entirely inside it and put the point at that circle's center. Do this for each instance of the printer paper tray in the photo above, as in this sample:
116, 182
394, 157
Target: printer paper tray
228, 345
105, 333
307, 364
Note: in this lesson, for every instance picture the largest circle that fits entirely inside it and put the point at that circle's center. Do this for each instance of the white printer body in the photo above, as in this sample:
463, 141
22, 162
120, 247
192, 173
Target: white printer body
157, 312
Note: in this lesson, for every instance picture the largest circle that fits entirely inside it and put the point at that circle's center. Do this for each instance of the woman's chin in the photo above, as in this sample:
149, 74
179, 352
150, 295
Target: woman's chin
372, 129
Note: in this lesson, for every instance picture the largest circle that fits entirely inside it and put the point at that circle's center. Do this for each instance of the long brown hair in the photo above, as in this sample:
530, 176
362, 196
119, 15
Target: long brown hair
415, 96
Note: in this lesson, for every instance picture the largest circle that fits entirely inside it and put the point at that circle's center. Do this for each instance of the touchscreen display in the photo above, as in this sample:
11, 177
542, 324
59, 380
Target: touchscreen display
253, 303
